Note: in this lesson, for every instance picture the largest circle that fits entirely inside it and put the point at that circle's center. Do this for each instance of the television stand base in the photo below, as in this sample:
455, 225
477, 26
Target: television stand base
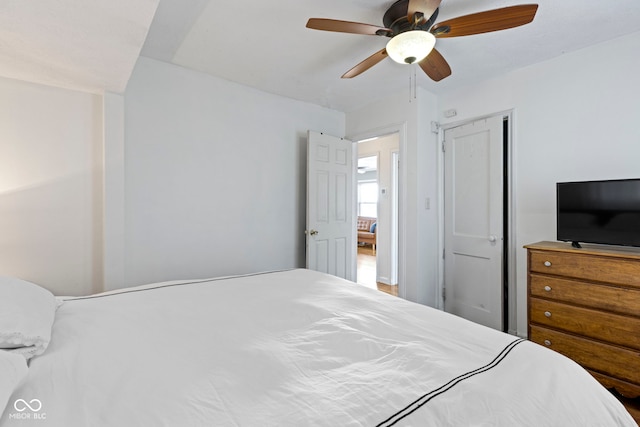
576, 245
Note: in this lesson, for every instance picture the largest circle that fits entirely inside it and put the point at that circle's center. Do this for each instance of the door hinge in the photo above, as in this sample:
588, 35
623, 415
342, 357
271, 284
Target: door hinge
444, 293
443, 149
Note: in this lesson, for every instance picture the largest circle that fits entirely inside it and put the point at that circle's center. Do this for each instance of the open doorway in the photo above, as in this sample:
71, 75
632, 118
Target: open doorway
377, 186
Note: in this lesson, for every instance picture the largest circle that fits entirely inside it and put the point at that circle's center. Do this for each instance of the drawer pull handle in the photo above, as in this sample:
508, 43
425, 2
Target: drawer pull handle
547, 263
547, 343
547, 288
547, 313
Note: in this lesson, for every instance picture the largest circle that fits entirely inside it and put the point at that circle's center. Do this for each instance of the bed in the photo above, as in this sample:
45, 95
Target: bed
287, 348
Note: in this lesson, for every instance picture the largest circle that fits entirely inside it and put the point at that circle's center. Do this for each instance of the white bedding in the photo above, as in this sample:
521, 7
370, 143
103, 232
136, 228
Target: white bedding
294, 348
26, 315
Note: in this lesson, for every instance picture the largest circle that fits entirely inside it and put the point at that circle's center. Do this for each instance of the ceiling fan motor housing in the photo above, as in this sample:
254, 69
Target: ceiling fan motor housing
395, 18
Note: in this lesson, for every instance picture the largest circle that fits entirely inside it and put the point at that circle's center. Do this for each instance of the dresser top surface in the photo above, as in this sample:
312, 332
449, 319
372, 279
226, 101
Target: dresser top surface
587, 249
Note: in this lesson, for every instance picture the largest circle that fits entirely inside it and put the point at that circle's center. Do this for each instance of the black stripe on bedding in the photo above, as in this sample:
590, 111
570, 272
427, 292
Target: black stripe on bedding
422, 400
171, 285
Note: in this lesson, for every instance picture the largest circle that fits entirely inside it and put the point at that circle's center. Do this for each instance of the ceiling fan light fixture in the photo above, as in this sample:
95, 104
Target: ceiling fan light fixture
411, 46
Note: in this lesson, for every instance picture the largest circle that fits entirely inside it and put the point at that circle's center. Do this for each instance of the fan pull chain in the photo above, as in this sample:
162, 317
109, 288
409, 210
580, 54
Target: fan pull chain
413, 91
415, 84
410, 86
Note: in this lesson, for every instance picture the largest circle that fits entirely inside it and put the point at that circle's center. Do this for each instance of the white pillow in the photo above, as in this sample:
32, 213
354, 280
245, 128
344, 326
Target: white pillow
26, 317
13, 368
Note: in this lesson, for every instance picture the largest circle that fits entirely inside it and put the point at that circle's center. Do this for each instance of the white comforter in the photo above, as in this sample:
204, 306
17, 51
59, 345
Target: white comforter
293, 348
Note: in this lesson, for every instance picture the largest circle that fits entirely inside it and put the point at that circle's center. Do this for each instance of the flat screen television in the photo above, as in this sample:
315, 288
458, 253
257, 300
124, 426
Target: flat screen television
604, 212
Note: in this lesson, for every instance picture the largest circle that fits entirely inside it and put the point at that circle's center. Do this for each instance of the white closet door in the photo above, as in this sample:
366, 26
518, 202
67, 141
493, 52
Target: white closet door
473, 221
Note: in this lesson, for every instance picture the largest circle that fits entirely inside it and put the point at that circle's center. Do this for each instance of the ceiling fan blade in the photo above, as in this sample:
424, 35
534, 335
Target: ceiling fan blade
346, 27
435, 66
366, 64
485, 22
426, 7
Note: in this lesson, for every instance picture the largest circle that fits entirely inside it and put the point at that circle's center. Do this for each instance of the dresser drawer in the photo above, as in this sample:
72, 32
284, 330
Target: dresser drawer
607, 359
610, 298
601, 325
596, 268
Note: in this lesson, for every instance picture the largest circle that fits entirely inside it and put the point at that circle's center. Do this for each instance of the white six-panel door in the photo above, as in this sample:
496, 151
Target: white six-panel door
330, 229
473, 221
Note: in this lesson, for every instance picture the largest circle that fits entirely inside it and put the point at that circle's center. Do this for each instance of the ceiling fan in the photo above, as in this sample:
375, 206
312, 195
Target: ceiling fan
410, 26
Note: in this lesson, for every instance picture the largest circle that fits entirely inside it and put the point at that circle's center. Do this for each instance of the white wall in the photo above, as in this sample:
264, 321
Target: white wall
576, 118
215, 175
418, 244
51, 187
183, 176
213, 180
113, 191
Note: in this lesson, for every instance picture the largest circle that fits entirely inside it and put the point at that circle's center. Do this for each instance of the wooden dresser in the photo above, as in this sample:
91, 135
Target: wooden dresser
585, 304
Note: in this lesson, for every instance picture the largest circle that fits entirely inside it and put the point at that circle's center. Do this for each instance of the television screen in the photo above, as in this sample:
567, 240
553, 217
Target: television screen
606, 212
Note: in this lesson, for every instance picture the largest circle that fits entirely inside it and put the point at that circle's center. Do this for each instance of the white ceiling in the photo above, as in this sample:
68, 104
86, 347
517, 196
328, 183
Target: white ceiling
367, 164
93, 46
77, 44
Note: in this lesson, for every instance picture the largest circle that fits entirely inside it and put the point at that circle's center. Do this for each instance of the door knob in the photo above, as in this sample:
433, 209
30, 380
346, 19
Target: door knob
313, 232
493, 238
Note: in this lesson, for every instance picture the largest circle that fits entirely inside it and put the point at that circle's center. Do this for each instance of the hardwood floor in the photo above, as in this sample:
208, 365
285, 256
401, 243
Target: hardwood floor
367, 271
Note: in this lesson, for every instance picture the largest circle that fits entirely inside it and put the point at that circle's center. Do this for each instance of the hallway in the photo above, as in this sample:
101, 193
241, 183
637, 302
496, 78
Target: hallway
367, 271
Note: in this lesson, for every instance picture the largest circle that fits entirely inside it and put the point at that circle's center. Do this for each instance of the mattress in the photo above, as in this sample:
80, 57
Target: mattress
292, 348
